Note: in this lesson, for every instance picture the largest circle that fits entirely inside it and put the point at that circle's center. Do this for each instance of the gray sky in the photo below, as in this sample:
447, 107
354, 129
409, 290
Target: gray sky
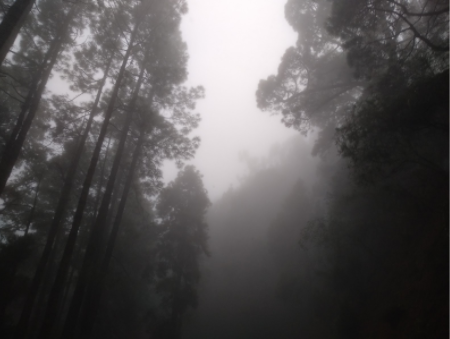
232, 45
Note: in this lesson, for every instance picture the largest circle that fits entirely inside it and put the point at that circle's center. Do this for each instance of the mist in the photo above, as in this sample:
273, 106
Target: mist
190, 169
231, 47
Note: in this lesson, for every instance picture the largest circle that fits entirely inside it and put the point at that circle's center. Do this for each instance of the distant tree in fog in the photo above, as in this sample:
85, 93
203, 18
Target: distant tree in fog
181, 208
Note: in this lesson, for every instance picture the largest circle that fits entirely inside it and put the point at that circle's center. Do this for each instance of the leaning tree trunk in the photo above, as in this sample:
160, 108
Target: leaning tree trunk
41, 298
59, 212
30, 107
11, 24
91, 256
12, 152
58, 286
115, 198
100, 181
33, 208
94, 291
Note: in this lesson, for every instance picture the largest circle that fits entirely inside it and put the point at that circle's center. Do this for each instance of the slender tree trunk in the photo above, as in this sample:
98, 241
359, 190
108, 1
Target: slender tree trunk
94, 291
7, 159
58, 286
91, 256
31, 215
175, 332
31, 105
41, 298
58, 216
11, 24
100, 182
33, 90
7, 280
78, 256
114, 201
66, 292
36, 316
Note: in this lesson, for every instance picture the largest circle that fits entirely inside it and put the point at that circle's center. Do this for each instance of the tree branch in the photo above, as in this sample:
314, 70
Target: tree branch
414, 30
408, 13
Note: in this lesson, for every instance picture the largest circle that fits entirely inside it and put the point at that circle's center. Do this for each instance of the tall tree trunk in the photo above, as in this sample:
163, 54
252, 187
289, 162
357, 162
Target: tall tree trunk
59, 213
113, 205
33, 208
100, 181
11, 24
44, 290
58, 286
30, 107
76, 263
10, 265
175, 332
91, 256
94, 291
31, 93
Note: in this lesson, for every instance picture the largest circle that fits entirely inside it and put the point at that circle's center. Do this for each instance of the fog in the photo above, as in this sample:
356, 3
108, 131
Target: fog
232, 45
239, 295
209, 169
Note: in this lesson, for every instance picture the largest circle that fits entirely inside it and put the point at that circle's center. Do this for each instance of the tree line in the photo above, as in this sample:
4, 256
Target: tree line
364, 253
85, 218
353, 243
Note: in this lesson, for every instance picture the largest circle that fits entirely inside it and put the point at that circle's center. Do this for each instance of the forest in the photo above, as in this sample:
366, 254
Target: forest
341, 232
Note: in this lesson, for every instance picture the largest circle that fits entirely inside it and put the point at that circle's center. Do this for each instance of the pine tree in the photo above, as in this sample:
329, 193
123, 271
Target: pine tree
182, 206
54, 41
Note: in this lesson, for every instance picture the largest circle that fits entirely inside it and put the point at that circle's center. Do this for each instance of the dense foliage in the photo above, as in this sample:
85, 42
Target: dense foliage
372, 257
80, 172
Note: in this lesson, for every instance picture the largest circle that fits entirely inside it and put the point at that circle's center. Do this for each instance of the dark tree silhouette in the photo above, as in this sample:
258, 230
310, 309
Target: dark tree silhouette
182, 207
11, 24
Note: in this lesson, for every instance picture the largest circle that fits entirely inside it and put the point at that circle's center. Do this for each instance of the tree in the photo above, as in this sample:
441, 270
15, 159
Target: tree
314, 84
11, 23
387, 45
377, 34
129, 68
161, 86
391, 128
58, 286
12, 255
403, 132
400, 122
65, 192
53, 40
181, 207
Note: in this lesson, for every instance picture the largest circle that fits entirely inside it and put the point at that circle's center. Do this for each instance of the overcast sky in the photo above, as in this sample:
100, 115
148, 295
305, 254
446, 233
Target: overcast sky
232, 45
